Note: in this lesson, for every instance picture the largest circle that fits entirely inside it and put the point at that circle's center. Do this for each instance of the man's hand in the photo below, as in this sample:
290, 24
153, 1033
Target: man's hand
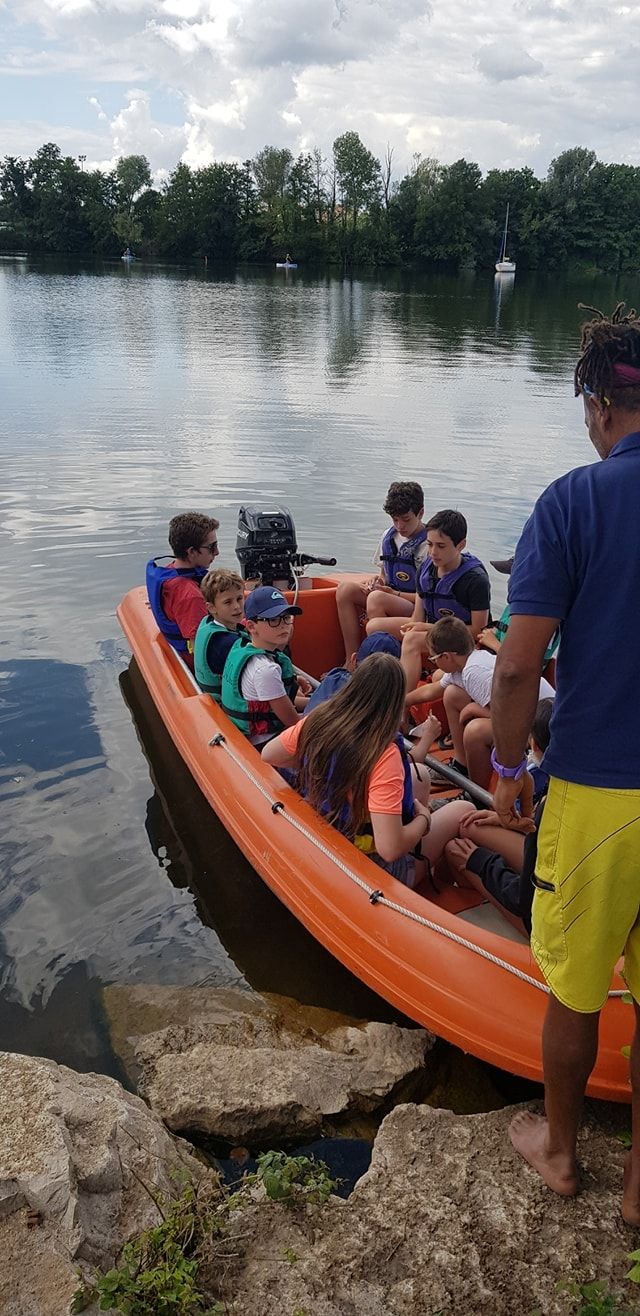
458, 853
506, 794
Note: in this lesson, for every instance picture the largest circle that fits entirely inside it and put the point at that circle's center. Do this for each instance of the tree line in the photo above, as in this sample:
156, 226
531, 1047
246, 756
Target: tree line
347, 210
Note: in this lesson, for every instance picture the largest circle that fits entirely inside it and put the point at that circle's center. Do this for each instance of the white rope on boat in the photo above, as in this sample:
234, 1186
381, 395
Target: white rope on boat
376, 897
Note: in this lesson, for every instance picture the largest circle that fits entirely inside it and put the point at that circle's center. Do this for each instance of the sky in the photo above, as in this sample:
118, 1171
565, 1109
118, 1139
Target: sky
506, 83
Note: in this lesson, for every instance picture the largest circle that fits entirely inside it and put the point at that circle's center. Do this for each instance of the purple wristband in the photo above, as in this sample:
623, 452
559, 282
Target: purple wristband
510, 774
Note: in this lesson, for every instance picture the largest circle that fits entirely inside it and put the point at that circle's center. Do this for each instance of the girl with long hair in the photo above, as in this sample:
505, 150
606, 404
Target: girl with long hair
350, 766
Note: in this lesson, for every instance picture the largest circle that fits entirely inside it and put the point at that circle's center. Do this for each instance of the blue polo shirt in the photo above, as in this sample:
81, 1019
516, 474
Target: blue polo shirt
579, 559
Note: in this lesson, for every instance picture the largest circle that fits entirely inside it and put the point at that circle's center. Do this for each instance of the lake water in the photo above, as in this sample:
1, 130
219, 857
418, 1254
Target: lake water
129, 394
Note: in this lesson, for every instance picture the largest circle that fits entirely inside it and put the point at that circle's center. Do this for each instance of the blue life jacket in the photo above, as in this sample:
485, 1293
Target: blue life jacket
399, 564
330, 684
156, 577
436, 591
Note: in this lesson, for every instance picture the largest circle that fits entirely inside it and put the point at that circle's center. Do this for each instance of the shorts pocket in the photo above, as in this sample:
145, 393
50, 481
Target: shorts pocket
549, 836
548, 938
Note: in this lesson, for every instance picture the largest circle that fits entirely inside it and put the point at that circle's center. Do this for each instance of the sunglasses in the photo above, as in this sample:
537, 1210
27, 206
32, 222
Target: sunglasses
210, 548
589, 393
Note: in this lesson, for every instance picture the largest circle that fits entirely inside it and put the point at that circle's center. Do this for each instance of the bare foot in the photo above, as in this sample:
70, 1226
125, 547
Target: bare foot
529, 1135
630, 1195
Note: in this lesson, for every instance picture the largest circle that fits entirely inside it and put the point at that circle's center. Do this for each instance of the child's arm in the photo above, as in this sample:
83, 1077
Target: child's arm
284, 711
425, 694
275, 753
489, 639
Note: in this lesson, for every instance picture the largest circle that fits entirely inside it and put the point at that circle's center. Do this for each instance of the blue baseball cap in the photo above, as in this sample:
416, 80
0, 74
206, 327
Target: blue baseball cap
266, 602
379, 642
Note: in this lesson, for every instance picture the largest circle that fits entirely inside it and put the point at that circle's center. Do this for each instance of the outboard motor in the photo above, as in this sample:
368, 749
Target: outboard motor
267, 549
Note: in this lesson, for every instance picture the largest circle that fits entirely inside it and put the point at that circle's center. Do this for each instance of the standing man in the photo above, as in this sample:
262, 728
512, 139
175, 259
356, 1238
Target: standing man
577, 565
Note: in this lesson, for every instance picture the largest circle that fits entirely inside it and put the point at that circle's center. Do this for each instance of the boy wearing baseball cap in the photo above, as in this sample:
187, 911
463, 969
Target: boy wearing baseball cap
259, 685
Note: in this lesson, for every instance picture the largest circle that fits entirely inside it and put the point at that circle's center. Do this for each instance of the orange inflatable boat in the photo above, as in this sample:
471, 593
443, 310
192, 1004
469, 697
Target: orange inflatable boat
454, 966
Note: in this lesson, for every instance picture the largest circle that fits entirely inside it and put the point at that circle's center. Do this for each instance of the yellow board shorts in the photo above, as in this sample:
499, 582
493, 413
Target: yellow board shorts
589, 855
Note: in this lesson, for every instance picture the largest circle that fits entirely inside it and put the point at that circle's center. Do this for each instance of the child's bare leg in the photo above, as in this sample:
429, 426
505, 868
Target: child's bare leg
391, 625
444, 827
478, 742
381, 604
351, 602
499, 839
414, 644
455, 699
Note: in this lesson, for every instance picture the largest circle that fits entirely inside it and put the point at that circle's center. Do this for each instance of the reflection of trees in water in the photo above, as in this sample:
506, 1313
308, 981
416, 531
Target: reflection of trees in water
269, 947
351, 312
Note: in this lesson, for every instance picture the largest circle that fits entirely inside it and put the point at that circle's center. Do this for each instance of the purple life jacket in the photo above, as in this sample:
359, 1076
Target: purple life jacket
436, 591
399, 564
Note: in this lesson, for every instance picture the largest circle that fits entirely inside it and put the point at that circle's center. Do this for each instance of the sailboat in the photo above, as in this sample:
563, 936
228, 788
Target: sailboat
503, 264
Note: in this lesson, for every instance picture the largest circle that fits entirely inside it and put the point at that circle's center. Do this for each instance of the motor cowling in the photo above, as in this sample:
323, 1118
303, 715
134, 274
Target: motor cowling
266, 544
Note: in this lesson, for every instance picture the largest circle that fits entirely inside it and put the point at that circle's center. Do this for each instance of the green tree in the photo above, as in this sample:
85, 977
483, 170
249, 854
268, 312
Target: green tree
357, 174
133, 175
447, 221
177, 219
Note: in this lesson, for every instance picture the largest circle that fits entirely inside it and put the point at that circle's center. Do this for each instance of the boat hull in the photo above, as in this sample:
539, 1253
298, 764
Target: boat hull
419, 956
505, 267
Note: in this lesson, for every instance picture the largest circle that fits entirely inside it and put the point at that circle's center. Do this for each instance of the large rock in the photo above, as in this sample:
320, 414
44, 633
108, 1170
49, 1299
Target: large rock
254, 1072
448, 1220
80, 1161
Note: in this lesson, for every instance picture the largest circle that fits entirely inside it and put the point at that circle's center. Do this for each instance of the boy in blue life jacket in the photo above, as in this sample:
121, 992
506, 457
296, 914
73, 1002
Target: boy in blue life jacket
223, 594
173, 586
451, 583
338, 676
260, 691
387, 599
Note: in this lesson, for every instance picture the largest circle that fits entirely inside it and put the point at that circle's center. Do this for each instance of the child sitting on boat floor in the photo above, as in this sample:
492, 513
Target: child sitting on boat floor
260, 690
390, 595
465, 688
493, 635
451, 583
497, 861
351, 767
223, 594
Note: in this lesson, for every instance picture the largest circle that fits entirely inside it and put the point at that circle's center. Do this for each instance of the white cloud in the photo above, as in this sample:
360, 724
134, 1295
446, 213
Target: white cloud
499, 81
504, 63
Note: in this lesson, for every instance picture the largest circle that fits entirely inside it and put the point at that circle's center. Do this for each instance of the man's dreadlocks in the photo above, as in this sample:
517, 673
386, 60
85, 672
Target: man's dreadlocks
609, 363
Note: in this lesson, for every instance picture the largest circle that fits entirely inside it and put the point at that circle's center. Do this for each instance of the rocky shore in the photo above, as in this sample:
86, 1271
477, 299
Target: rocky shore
447, 1221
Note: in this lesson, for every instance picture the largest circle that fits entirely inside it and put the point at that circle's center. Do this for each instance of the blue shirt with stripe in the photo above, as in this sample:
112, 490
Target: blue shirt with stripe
578, 559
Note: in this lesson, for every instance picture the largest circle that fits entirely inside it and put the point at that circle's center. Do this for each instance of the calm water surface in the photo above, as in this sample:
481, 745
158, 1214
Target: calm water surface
128, 395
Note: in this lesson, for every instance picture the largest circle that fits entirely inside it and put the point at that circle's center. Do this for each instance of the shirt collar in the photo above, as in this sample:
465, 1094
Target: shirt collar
627, 444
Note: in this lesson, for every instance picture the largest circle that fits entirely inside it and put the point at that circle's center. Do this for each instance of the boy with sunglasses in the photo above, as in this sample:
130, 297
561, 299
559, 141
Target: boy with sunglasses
260, 691
174, 588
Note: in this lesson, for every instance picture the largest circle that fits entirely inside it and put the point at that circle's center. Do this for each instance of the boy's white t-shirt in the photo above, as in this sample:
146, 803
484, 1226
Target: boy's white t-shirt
420, 553
476, 678
262, 679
